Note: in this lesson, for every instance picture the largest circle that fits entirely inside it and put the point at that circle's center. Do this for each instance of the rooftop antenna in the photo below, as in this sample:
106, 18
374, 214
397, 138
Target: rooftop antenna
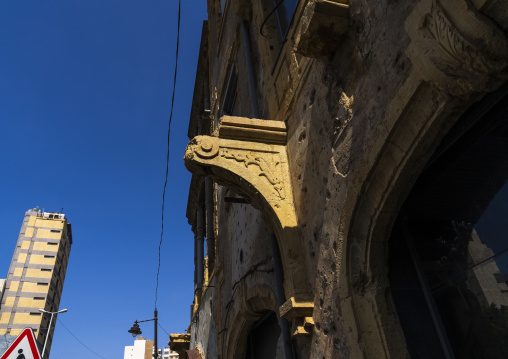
61, 211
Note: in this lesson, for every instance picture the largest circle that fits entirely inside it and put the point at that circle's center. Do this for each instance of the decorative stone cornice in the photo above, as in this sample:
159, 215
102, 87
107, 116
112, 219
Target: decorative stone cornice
455, 48
249, 156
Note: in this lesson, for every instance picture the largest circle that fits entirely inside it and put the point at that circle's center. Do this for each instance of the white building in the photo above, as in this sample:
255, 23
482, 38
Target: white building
169, 354
142, 349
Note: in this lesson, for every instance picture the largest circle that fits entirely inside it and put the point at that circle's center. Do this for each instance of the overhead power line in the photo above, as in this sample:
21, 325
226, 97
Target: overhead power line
83, 344
165, 331
167, 153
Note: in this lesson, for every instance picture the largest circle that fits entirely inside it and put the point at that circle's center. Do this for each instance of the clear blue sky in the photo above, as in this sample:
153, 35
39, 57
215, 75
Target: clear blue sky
85, 90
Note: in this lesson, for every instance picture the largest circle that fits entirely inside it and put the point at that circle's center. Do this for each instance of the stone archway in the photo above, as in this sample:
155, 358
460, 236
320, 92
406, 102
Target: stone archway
256, 299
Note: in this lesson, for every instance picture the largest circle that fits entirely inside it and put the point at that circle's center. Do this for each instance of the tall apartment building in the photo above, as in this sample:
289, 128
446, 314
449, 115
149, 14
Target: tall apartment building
36, 276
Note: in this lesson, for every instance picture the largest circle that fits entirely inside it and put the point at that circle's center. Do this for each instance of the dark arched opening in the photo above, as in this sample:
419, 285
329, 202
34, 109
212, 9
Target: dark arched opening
448, 254
264, 340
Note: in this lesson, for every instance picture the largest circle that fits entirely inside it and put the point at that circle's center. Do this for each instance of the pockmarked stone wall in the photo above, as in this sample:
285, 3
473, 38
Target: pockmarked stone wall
318, 136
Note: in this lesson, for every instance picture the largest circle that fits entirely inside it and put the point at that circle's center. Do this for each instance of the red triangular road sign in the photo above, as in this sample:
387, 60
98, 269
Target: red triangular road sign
23, 345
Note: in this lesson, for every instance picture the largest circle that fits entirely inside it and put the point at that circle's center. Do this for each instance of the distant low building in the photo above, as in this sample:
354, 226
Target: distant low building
142, 349
169, 354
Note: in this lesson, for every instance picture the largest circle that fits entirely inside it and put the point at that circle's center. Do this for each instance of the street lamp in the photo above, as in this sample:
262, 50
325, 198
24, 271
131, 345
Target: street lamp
49, 327
135, 331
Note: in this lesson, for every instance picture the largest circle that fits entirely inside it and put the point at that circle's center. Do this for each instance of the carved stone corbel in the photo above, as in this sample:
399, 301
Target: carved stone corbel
179, 343
321, 26
300, 316
456, 48
249, 156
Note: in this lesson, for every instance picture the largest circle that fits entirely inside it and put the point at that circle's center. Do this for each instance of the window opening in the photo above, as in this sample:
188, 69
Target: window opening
448, 254
230, 104
284, 16
222, 7
264, 340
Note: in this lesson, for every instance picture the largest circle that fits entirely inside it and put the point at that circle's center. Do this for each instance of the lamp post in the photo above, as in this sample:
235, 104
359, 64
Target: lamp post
49, 327
135, 331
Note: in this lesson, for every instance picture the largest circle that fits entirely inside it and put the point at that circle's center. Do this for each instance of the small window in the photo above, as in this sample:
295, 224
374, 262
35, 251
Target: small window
47, 256
45, 270
284, 16
39, 298
230, 105
43, 284
222, 7
52, 243
56, 230
35, 313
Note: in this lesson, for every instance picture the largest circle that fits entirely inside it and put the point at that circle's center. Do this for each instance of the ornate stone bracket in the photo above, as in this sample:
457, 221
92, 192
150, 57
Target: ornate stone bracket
299, 314
249, 156
455, 48
321, 27
180, 343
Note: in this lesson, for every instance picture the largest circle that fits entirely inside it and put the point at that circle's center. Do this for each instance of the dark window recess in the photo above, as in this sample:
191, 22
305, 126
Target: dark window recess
499, 277
264, 340
39, 298
56, 230
43, 284
230, 105
284, 13
448, 253
222, 7
46, 256
52, 243
35, 313
45, 270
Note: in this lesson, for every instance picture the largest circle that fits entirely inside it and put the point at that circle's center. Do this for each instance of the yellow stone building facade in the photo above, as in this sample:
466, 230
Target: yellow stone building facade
343, 155
36, 276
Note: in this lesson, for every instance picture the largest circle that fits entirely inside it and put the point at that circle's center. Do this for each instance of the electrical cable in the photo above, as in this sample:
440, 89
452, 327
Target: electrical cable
159, 324
167, 153
83, 344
